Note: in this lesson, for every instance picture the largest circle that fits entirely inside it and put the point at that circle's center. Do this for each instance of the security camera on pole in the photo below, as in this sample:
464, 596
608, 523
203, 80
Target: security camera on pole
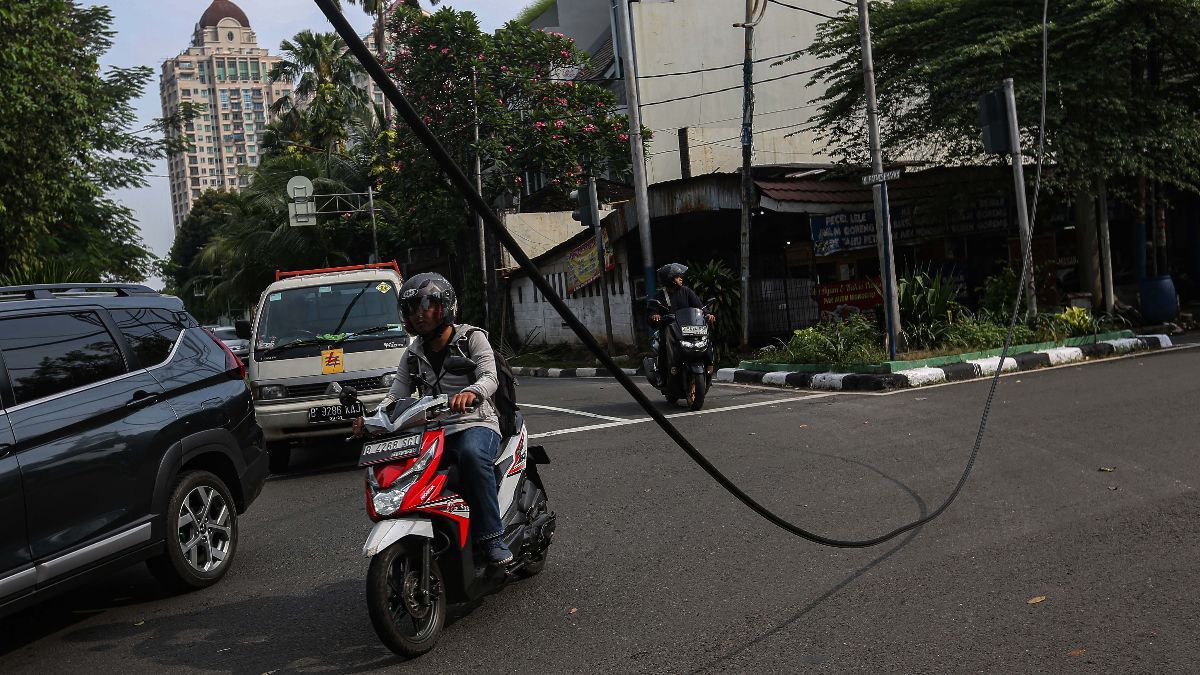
587, 212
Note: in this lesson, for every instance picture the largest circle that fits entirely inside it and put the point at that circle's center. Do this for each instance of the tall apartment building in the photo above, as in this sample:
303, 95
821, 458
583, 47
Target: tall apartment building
225, 69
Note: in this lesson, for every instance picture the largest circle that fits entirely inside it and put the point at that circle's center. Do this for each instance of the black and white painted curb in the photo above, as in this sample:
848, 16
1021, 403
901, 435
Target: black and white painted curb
953, 372
521, 371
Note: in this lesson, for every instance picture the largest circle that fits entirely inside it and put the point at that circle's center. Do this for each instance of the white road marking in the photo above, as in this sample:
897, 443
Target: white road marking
640, 420
575, 412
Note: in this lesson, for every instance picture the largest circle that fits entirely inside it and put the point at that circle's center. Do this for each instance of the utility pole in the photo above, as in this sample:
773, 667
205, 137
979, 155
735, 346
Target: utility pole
483, 266
599, 232
1014, 139
374, 232
883, 224
637, 153
747, 150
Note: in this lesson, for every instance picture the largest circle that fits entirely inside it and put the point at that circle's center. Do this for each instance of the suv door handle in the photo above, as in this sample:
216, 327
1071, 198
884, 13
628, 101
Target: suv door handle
141, 398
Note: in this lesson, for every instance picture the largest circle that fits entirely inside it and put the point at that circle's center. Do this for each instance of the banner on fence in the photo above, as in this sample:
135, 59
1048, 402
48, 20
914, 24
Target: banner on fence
583, 265
843, 298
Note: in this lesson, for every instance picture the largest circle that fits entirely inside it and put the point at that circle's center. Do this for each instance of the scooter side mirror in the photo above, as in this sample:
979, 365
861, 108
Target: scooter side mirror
710, 302
348, 396
459, 365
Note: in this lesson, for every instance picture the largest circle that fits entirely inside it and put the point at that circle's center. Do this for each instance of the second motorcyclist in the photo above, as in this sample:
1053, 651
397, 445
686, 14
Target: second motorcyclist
675, 296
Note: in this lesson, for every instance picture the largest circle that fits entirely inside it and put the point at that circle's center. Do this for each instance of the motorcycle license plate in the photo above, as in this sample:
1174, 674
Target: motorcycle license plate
694, 330
333, 413
391, 449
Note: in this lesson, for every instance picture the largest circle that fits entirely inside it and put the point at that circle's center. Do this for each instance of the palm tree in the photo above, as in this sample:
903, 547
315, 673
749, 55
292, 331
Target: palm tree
322, 71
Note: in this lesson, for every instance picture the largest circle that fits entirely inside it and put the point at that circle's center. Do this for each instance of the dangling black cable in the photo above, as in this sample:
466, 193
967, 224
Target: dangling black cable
467, 189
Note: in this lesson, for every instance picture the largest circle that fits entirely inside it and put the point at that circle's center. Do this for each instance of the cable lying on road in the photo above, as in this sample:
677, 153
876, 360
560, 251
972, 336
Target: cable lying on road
466, 187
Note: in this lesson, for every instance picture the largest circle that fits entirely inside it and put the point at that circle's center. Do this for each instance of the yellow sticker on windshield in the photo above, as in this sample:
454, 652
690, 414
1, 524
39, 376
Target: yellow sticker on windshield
331, 361
384, 287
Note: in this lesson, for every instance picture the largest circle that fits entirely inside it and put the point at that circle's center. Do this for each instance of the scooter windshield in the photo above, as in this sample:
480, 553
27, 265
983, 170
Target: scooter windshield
689, 322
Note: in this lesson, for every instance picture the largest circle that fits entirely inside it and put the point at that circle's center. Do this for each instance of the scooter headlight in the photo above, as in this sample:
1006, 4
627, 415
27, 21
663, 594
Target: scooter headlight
695, 344
387, 502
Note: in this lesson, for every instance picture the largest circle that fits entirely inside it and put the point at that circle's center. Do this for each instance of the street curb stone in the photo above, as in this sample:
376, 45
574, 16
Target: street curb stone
954, 372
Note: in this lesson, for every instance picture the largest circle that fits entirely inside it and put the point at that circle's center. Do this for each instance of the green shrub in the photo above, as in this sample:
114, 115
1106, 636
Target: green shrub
715, 279
981, 332
927, 307
854, 341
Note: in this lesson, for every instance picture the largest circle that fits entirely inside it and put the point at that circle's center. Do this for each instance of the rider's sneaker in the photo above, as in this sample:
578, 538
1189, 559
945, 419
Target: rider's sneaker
496, 552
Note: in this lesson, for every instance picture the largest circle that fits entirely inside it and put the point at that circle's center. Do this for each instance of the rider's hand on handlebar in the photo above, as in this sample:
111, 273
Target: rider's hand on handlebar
712, 318
655, 318
356, 427
462, 401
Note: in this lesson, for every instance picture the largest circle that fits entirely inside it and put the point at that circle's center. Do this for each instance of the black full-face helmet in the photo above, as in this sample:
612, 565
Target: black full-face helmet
668, 272
425, 290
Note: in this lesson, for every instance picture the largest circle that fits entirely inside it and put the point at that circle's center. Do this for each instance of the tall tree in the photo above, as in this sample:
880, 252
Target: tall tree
534, 120
1124, 83
66, 143
325, 96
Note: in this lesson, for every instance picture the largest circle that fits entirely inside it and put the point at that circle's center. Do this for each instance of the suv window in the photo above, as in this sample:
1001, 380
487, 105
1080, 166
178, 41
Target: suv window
151, 333
56, 352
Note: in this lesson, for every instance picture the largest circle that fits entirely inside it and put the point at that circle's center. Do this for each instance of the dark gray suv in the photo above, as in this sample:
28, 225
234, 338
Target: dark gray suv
127, 433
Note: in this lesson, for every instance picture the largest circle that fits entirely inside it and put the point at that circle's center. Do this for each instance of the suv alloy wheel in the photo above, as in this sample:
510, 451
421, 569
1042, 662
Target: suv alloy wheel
202, 532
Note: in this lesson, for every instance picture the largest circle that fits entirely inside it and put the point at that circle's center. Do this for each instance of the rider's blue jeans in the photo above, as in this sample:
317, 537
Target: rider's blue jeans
474, 450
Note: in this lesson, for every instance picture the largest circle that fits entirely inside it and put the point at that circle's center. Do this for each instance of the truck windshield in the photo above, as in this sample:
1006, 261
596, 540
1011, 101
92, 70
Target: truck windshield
334, 312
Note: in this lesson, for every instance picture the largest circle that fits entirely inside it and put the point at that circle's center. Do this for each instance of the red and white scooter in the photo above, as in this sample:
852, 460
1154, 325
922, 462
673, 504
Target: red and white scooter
420, 548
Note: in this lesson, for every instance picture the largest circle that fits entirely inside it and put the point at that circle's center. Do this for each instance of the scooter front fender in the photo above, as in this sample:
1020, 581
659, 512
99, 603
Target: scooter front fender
387, 532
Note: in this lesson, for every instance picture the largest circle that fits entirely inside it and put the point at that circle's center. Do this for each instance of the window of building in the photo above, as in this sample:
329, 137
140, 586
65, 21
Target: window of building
53, 353
195, 194
244, 69
220, 68
229, 36
227, 127
254, 69
185, 92
224, 102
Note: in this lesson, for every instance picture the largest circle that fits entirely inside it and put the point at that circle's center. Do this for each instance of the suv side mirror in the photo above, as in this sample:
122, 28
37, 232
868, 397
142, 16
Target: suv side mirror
459, 365
242, 328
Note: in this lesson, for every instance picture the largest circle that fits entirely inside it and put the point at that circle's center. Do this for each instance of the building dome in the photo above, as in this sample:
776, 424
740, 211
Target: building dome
223, 9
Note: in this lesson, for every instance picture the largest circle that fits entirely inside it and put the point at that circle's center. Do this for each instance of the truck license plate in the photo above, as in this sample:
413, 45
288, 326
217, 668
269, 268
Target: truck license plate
333, 413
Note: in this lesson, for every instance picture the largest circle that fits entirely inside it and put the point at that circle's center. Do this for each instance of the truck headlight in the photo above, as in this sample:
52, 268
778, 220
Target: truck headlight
272, 391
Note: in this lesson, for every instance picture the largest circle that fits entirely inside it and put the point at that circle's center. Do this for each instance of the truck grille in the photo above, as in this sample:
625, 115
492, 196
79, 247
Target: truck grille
318, 388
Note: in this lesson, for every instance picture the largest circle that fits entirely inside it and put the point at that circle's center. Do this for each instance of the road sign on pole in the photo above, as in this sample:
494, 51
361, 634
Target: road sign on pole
301, 211
876, 178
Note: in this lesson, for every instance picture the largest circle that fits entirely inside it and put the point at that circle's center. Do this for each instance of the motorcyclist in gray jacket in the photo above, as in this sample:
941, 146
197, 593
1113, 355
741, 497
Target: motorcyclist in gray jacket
427, 305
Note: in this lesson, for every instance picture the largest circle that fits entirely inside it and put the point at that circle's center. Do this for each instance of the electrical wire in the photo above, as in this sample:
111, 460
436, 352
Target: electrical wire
464, 185
802, 9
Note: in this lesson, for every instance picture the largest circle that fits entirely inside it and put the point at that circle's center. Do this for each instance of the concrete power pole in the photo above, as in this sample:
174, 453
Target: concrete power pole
597, 230
883, 224
1014, 138
483, 266
747, 150
638, 154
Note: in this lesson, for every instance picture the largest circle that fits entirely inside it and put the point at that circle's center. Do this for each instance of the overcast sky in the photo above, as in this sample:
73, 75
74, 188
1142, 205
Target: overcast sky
151, 31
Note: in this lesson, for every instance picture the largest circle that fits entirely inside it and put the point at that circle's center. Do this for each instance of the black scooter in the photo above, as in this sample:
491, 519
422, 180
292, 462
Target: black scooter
686, 349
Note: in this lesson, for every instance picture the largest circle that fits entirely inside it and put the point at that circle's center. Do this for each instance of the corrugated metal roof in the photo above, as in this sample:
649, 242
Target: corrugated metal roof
602, 59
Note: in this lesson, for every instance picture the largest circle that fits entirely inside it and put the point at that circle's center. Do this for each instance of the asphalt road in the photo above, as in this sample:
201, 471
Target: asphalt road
656, 569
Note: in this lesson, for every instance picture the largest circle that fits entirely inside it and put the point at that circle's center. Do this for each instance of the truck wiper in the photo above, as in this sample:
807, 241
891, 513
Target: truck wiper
301, 342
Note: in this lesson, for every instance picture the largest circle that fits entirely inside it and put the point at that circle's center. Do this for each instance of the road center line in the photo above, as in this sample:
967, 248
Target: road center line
621, 423
575, 412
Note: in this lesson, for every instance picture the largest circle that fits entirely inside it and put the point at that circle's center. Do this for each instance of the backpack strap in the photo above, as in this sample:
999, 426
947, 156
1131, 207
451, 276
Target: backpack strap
414, 367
